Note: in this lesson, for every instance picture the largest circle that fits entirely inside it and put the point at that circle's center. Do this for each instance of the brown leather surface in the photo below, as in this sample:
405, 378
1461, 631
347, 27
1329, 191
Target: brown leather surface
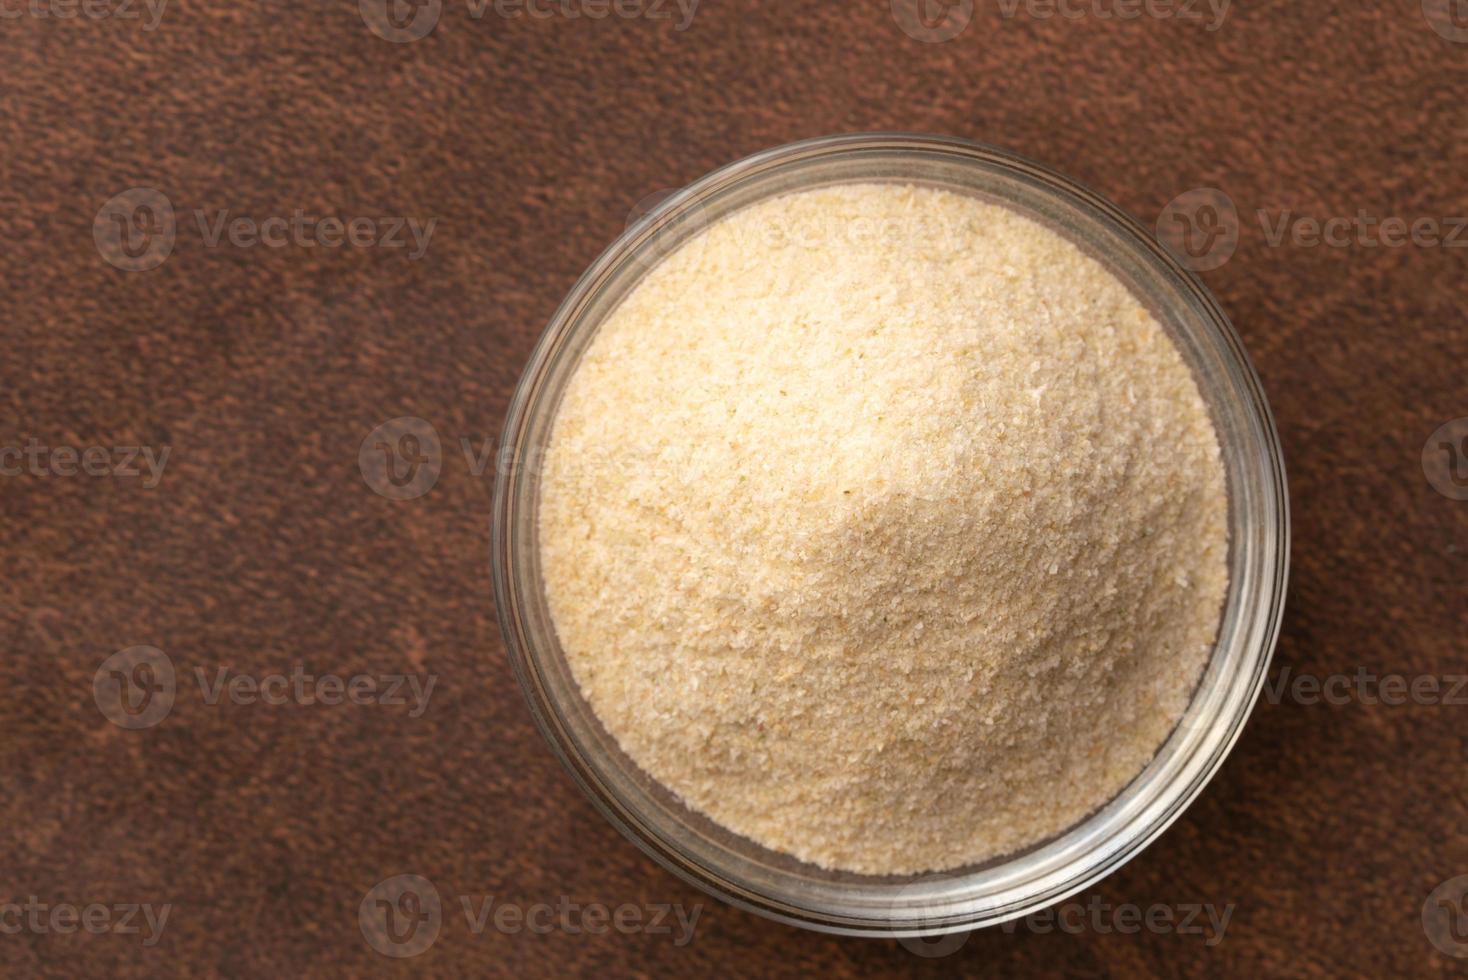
264, 369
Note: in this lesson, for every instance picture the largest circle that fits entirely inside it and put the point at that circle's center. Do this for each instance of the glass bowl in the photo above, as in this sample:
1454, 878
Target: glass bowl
744, 873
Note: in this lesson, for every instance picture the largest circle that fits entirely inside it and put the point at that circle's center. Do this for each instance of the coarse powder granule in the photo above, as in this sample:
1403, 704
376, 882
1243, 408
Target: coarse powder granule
885, 527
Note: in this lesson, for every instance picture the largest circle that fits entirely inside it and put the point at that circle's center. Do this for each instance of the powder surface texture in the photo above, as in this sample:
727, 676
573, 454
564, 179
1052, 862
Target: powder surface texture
885, 527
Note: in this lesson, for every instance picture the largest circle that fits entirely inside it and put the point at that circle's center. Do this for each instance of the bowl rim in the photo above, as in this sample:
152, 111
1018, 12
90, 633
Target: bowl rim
518, 642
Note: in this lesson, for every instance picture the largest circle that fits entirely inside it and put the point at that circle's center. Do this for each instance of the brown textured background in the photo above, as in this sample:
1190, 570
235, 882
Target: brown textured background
531, 140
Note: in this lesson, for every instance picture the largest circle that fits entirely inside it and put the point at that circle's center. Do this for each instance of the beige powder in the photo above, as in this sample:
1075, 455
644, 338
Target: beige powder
886, 528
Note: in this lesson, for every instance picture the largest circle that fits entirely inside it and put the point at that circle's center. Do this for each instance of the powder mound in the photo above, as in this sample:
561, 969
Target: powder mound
885, 527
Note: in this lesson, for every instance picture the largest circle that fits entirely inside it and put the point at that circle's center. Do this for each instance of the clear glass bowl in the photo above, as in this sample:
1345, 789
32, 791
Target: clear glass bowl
753, 877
